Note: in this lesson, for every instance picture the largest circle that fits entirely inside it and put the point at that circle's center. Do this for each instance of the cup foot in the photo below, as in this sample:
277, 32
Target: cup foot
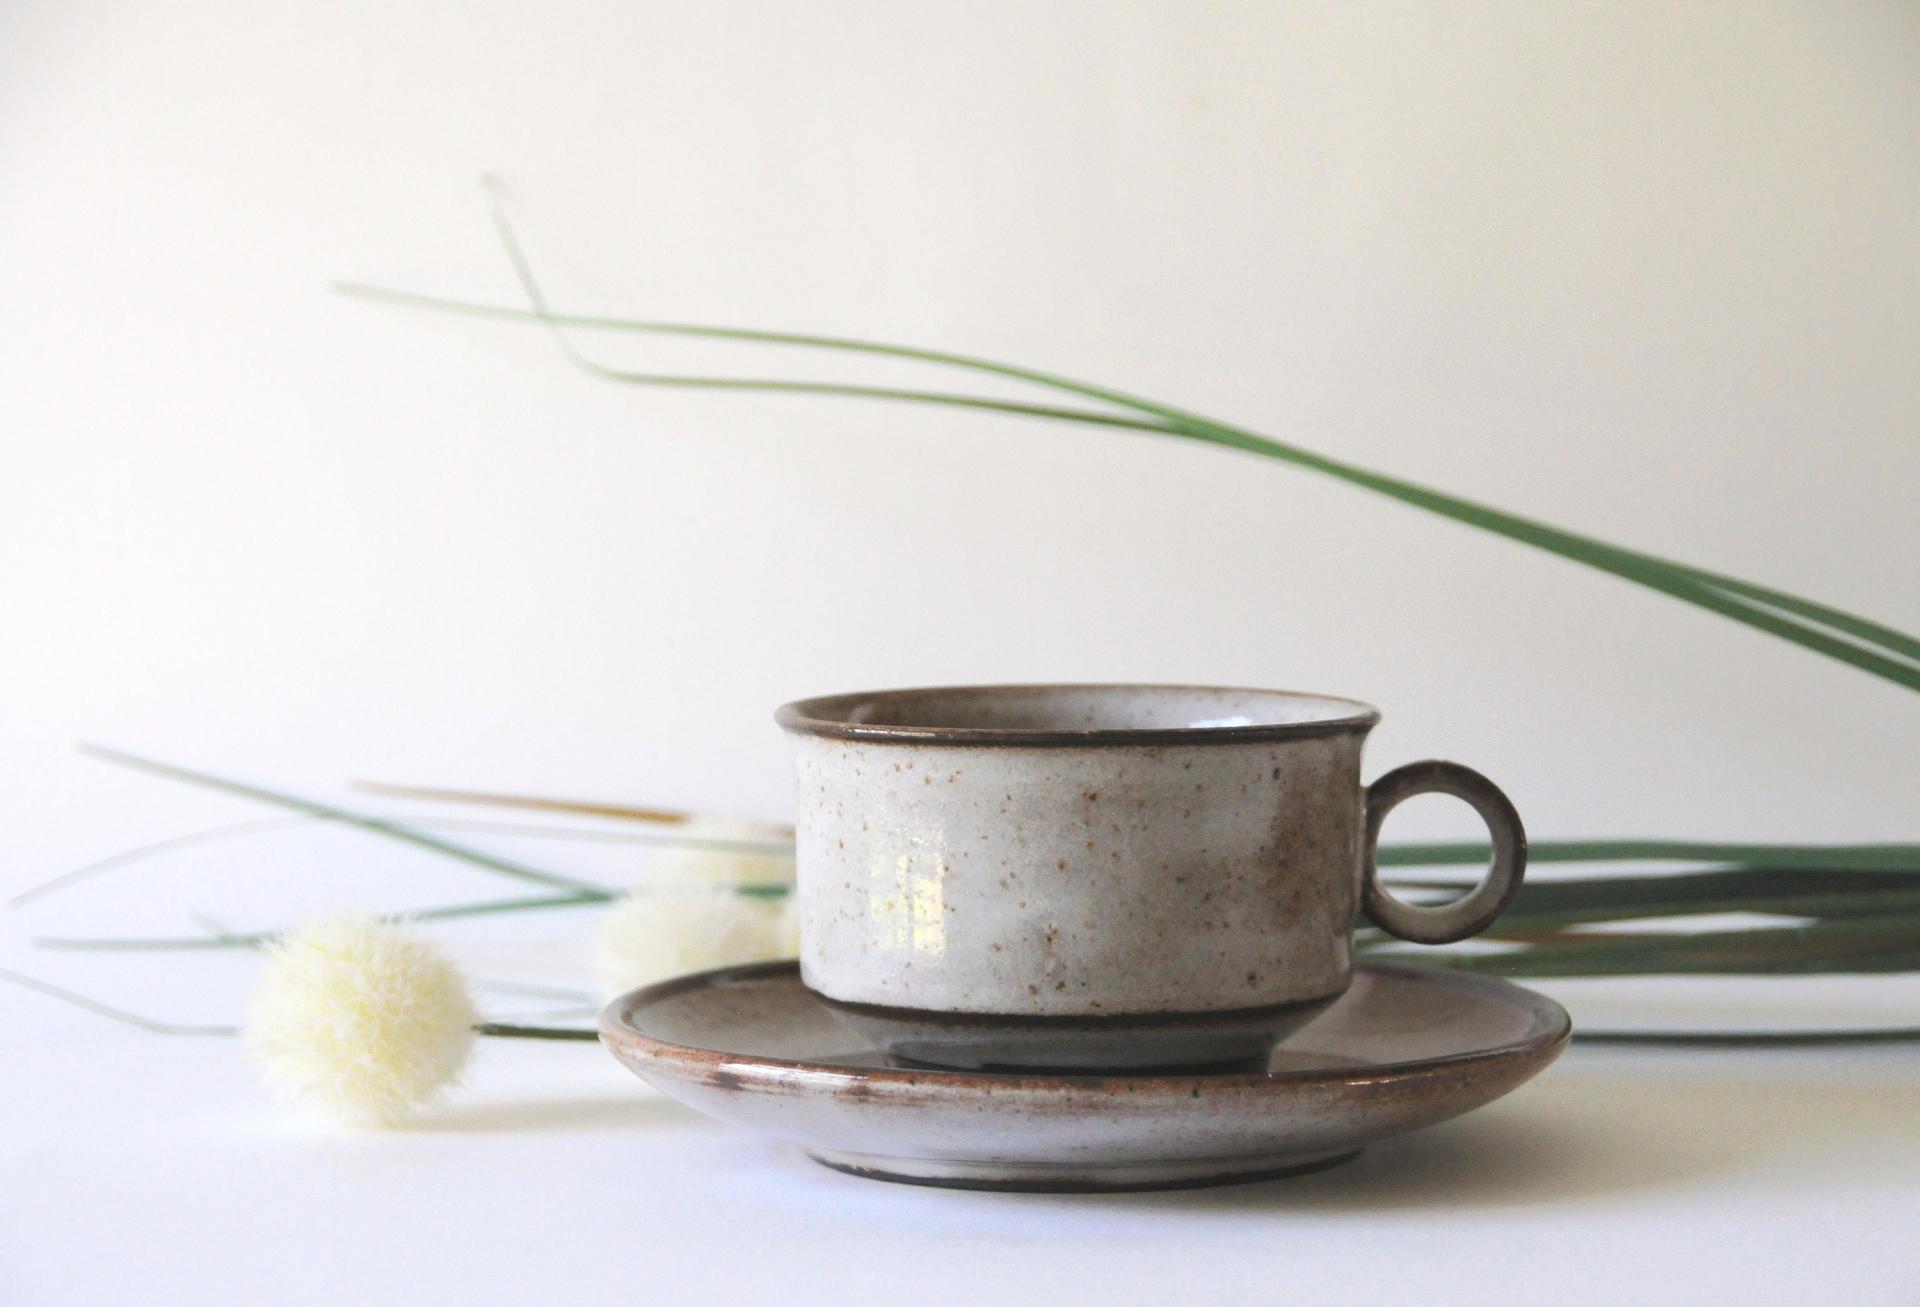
1189, 1042
1072, 1177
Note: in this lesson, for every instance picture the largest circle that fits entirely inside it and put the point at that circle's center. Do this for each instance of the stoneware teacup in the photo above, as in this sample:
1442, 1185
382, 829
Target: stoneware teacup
1101, 876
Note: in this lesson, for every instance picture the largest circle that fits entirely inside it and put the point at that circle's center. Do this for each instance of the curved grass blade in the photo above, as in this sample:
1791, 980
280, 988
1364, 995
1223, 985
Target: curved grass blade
372, 825
1843, 947
525, 830
495, 1028
1752, 1038
1676, 580
1862, 857
253, 939
1520, 922
1694, 585
1594, 552
1847, 623
112, 1013
1795, 892
140, 853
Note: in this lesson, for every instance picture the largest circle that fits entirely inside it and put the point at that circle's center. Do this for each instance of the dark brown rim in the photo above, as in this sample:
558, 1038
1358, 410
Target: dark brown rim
825, 715
1552, 1028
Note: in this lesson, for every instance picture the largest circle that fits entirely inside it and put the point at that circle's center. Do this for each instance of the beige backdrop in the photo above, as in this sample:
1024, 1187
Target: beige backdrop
1644, 270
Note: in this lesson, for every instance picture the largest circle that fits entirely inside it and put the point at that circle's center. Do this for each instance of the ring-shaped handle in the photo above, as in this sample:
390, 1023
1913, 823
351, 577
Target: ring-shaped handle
1474, 911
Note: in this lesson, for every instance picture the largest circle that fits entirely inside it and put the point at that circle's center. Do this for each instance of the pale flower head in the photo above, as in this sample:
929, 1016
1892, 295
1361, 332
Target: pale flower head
652, 934
687, 913
359, 1018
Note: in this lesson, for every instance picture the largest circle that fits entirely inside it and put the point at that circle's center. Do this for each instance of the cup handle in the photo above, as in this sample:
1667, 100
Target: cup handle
1473, 912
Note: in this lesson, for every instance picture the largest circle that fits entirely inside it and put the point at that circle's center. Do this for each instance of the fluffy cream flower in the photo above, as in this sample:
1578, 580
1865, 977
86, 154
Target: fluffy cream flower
652, 934
686, 915
360, 1019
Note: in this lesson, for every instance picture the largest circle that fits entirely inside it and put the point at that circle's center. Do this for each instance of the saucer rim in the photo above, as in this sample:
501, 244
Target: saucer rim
1553, 1027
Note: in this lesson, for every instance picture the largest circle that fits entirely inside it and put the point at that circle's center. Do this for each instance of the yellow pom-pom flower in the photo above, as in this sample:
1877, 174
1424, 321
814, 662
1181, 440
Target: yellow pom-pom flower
360, 1019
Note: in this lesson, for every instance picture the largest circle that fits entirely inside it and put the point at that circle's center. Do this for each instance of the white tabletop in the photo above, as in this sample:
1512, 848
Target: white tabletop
155, 1169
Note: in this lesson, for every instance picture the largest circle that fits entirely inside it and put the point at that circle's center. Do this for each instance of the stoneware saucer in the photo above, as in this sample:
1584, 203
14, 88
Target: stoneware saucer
1407, 1046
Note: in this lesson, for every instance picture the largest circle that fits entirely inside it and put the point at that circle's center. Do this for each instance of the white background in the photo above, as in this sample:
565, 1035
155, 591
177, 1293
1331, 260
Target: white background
1642, 270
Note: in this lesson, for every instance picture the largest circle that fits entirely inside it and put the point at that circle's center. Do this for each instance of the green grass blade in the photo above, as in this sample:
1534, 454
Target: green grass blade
1518, 921
1697, 586
790, 387
1892, 962
509, 1030
526, 830
112, 1013
253, 939
1847, 623
1844, 946
1751, 1038
372, 825
1719, 889
1540, 904
1675, 579
172, 844
1862, 857
1552, 906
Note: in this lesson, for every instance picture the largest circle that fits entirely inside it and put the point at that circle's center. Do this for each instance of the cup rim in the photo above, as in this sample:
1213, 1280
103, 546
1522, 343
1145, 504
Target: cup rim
830, 716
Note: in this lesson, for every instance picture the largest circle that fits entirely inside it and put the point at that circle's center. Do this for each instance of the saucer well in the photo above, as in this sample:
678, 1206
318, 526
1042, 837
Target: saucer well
1407, 1046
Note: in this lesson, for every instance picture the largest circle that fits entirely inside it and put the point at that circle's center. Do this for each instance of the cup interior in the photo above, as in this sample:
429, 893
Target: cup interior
1023, 713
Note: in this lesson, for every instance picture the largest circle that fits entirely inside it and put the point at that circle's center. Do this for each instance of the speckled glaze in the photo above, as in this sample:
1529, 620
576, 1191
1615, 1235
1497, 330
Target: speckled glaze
1089, 876
1404, 1047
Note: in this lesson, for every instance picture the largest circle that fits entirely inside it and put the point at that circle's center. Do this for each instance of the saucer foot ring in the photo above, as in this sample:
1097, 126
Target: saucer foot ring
1078, 1178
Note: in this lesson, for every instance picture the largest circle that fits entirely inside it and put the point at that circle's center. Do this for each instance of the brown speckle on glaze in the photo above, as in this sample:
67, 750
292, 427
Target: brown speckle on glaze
1223, 871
